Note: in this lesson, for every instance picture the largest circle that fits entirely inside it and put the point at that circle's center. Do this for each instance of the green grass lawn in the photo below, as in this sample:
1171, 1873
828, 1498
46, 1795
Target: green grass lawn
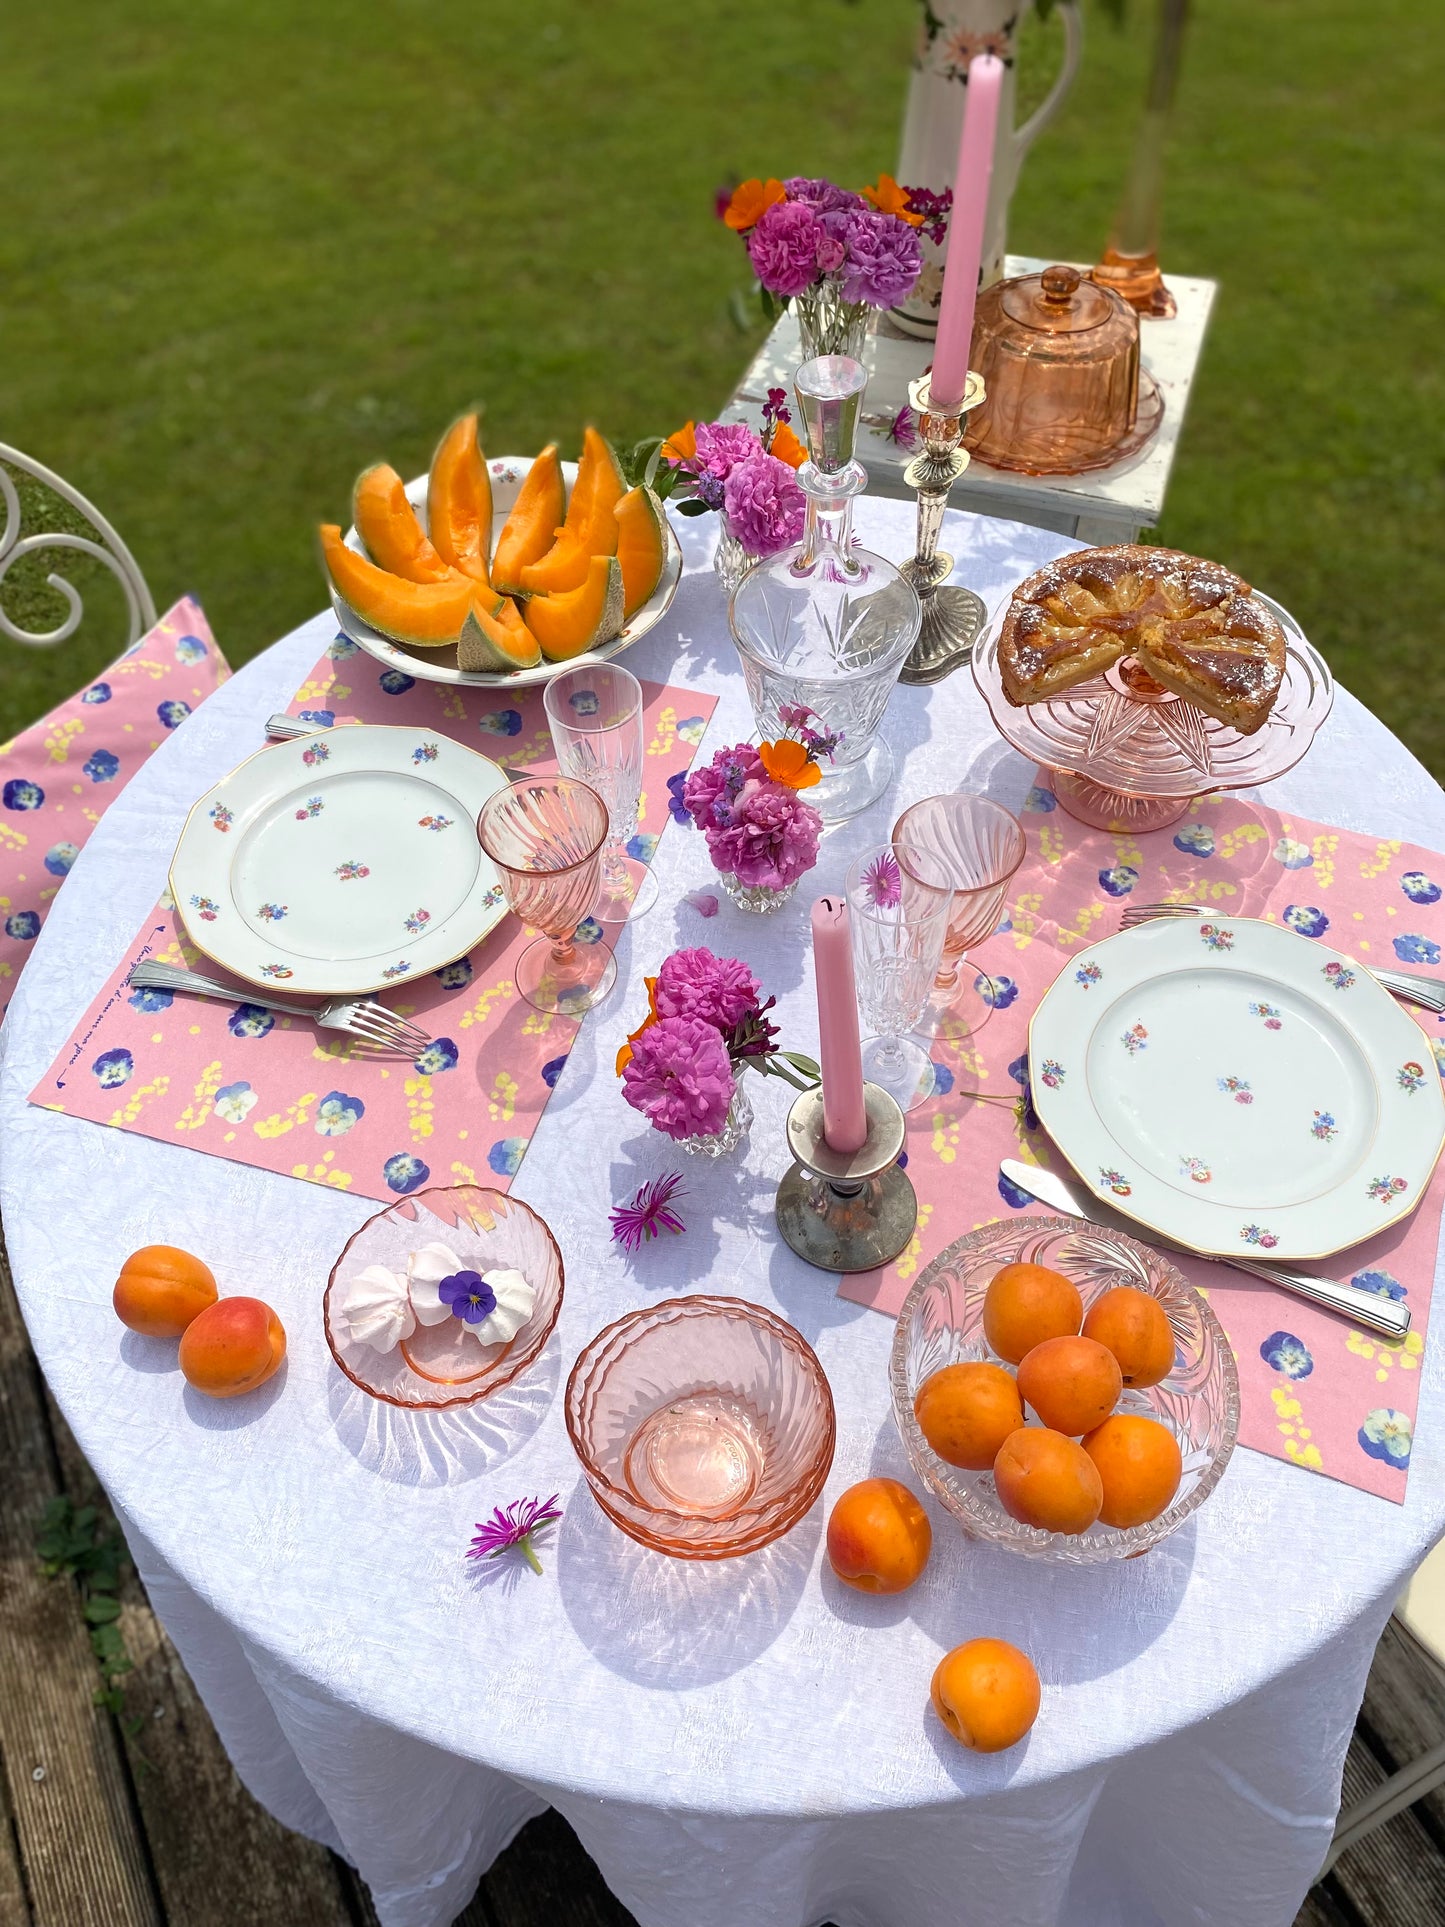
247, 249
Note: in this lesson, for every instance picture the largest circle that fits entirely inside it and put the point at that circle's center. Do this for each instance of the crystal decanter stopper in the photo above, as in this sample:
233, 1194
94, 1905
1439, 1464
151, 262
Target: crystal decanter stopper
826, 625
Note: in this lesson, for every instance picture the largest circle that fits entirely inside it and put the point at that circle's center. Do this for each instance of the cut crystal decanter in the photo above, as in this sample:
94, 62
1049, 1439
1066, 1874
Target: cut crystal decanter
825, 625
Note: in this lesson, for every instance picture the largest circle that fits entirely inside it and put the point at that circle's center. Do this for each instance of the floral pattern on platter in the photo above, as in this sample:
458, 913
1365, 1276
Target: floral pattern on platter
1385, 1189
272, 912
276, 971
1087, 974
1270, 1014
315, 753
1287, 1354
1051, 1073
417, 922
1254, 1234
314, 806
349, 870
1324, 1127
425, 753
1411, 1077
1135, 1039
1116, 1182
1214, 938
206, 908
1237, 1088
1338, 975
434, 822
1387, 1435
396, 970
221, 817
1195, 1169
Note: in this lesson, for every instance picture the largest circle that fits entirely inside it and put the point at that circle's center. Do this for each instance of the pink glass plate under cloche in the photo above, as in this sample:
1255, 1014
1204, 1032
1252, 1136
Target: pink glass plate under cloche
443, 1364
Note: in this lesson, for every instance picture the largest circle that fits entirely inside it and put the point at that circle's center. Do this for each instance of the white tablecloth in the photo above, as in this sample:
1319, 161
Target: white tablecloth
745, 1742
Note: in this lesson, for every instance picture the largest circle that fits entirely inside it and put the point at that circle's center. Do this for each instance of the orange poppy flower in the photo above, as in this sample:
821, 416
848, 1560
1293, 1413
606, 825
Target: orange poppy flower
786, 446
624, 1056
788, 762
889, 198
681, 445
750, 203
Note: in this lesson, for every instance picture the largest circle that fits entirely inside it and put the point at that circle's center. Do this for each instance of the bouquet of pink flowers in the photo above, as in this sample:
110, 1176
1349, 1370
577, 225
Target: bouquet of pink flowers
747, 803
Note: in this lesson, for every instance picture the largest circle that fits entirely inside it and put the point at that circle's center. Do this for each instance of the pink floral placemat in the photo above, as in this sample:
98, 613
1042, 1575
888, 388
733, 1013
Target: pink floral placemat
1314, 1390
264, 1089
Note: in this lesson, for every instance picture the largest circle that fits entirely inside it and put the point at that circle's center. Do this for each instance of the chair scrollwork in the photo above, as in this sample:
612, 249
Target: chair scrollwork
106, 548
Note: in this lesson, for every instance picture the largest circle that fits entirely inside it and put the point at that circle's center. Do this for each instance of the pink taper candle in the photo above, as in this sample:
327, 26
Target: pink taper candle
845, 1120
965, 230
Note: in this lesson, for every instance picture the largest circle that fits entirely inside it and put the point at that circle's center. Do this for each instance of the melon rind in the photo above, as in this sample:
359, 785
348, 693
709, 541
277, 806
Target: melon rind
639, 577
487, 645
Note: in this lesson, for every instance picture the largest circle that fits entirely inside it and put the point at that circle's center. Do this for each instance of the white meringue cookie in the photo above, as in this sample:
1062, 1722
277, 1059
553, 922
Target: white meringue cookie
425, 1270
515, 1299
375, 1309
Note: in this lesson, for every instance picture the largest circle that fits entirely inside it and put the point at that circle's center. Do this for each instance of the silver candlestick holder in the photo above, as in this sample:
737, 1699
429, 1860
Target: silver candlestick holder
846, 1213
952, 617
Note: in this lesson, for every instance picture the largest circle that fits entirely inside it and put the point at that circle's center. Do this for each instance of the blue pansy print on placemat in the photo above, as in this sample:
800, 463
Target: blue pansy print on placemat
1119, 881
394, 682
322, 718
1387, 1436
340, 648
112, 1068
337, 1113
1293, 854
552, 1070
1418, 887
999, 992
23, 925
1287, 1354
173, 712
501, 722
60, 857
1413, 949
588, 931
437, 1056
584, 701
21, 794
1384, 1284
151, 1001
1306, 919
404, 1172
190, 649
942, 1079
250, 1020
505, 1156
1013, 1194
1195, 839
1040, 801
454, 976
98, 692
101, 766
1018, 1070
235, 1102
642, 847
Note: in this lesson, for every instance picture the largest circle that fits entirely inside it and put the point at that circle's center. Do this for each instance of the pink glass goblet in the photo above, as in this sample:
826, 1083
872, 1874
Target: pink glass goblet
545, 836
981, 845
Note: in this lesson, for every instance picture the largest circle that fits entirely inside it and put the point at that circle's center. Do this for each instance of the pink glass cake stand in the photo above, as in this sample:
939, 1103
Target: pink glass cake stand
1124, 753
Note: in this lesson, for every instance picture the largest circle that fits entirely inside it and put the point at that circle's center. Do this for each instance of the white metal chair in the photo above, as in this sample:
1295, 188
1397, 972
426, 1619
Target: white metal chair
106, 548
1421, 1611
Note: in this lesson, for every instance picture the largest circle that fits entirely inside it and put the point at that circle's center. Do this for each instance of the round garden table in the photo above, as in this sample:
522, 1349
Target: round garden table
745, 1742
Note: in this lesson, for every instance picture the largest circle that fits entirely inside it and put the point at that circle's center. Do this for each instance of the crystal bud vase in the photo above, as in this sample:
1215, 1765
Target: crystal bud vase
735, 1128
826, 625
829, 325
760, 898
731, 560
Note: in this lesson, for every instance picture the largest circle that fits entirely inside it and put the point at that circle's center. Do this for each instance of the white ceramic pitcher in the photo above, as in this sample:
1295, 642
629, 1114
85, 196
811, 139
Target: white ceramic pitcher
952, 32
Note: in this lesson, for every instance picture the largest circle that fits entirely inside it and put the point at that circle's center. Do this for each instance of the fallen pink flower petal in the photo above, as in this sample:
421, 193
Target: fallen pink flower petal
703, 901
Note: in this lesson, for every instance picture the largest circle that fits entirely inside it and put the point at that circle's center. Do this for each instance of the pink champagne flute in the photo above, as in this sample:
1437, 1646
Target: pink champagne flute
545, 836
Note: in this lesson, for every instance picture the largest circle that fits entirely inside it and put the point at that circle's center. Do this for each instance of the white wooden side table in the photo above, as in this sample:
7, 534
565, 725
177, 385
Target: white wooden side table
1108, 505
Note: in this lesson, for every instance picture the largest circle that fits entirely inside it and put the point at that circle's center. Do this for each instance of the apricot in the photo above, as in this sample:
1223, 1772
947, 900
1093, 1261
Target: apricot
1133, 1325
879, 1537
967, 1411
1049, 1481
232, 1347
1139, 1466
1072, 1383
1026, 1304
986, 1692
161, 1289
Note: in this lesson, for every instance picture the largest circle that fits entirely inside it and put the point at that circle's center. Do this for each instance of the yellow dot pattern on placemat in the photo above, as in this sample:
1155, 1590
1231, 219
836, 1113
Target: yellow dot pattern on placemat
1387, 1354
280, 1122
1289, 1415
502, 1105
419, 1106
907, 1264
323, 1173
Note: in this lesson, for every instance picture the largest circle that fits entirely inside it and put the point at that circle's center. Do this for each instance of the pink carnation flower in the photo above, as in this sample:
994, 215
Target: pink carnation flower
709, 793
783, 248
722, 445
695, 983
765, 507
772, 837
680, 1078
884, 259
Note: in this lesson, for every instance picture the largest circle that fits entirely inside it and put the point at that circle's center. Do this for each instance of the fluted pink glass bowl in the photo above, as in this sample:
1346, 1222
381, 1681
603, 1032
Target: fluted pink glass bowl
704, 1425
941, 1323
443, 1364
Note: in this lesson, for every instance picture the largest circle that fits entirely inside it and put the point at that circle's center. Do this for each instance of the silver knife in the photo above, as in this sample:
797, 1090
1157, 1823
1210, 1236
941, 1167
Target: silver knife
1385, 1315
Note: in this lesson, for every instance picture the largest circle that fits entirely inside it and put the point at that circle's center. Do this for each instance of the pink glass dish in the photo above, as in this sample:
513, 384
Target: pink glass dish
941, 1323
704, 1425
442, 1365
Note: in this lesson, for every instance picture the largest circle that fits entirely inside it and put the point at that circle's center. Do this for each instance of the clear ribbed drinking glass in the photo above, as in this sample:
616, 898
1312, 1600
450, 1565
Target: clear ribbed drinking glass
595, 715
545, 836
898, 903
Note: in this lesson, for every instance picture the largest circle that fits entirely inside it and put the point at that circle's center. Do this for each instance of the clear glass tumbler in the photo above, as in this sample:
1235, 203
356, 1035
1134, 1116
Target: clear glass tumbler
545, 835
595, 716
981, 845
899, 898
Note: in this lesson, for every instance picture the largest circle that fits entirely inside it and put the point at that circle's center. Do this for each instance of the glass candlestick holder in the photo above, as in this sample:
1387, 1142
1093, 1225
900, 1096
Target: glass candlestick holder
950, 617
825, 625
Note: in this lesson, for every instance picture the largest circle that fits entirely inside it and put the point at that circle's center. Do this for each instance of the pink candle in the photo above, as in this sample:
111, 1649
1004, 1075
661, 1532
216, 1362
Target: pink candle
965, 231
845, 1120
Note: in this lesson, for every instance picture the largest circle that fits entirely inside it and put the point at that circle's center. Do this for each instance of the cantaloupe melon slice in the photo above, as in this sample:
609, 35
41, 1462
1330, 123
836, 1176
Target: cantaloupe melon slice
530, 529
579, 619
641, 546
590, 528
491, 641
459, 501
387, 524
428, 614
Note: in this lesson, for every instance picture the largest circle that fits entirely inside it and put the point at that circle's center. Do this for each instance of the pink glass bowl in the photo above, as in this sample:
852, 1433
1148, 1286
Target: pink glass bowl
442, 1365
941, 1323
704, 1425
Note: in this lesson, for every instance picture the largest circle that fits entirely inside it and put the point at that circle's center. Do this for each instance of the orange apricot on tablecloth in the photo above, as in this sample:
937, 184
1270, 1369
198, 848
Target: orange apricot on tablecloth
1139, 1466
1025, 1304
232, 1347
879, 1537
1047, 1480
967, 1411
1072, 1383
1134, 1326
161, 1289
986, 1693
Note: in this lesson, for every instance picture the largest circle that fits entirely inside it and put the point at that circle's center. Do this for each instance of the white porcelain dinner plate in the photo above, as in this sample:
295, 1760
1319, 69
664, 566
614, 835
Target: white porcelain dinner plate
440, 665
341, 862
1237, 1087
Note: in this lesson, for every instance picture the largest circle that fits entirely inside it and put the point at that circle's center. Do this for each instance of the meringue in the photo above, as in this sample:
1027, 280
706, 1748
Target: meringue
375, 1308
515, 1299
425, 1270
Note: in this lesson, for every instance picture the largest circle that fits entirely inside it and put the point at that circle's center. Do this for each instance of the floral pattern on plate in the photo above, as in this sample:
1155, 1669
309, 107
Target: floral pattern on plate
434, 822
1254, 1234
1087, 975
1270, 1014
1135, 1038
276, 971
1116, 1182
272, 912
206, 908
1195, 1169
1237, 1088
1324, 1127
350, 870
1411, 1077
316, 753
1339, 976
1051, 1072
396, 970
1213, 937
425, 753
221, 817
1386, 1189
417, 922
313, 807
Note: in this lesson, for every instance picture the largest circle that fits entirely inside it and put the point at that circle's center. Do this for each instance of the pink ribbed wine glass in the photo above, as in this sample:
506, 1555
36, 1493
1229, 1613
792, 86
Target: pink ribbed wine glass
981, 845
545, 836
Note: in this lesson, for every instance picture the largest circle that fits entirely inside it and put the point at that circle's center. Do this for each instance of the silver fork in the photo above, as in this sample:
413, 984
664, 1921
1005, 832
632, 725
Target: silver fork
1410, 985
372, 1022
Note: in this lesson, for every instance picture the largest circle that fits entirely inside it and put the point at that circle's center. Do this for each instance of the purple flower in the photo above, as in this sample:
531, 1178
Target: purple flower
710, 792
469, 1295
935, 209
884, 259
771, 839
824, 197
766, 509
680, 1078
695, 983
783, 248
676, 808
883, 881
796, 715
722, 445
515, 1527
647, 1213
775, 408
901, 430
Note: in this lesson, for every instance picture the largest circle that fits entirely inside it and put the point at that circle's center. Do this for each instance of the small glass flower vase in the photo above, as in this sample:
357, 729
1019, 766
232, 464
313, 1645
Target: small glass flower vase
735, 1127
760, 898
730, 560
828, 324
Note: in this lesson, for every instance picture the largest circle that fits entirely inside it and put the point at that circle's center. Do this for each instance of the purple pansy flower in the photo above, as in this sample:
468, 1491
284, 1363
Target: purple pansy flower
470, 1296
